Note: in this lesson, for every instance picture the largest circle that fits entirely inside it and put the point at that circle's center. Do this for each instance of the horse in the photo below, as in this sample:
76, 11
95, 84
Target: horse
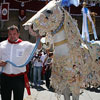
74, 65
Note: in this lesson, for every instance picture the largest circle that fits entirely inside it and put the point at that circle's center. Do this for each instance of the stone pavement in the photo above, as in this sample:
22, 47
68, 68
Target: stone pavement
43, 93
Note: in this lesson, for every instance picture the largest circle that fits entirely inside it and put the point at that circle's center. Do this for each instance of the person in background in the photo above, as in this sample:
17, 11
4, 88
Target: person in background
13, 79
48, 67
38, 64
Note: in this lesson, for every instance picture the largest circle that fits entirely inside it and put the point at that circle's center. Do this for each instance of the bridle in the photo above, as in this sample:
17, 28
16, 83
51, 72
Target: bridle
60, 25
58, 29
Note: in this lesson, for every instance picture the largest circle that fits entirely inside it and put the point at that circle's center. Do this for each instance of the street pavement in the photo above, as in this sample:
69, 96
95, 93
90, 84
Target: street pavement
42, 93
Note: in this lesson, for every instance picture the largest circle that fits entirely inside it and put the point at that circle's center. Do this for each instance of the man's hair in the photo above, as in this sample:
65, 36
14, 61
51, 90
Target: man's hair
13, 27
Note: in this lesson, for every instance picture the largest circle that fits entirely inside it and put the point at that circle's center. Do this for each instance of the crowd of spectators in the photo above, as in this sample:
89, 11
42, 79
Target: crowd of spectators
40, 68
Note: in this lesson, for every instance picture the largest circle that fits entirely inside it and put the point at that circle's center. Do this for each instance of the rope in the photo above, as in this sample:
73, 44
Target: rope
30, 57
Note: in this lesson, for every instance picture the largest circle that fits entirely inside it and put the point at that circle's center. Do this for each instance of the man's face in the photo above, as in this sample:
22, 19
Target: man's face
13, 35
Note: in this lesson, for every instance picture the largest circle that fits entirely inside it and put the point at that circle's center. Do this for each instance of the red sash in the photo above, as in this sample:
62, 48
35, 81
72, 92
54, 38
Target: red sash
27, 81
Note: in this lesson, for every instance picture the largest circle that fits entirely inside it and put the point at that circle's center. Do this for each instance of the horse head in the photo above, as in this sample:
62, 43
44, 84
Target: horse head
47, 19
50, 19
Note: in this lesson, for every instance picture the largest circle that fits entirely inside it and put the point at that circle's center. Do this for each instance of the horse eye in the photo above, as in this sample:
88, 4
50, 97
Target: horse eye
46, 17
49, 12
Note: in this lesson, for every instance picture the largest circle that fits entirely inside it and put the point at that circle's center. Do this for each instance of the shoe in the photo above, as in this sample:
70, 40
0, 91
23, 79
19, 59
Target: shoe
81, 92
31, 85
48, 87
51, 89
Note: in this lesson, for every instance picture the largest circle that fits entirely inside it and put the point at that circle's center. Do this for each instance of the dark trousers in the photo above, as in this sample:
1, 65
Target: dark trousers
9, 84
47, 77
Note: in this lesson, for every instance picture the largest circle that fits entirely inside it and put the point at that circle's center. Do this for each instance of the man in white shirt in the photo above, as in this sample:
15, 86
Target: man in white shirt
16, 51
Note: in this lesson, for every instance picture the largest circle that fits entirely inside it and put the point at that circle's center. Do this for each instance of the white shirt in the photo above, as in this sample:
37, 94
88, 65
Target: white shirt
16, 53
38, 63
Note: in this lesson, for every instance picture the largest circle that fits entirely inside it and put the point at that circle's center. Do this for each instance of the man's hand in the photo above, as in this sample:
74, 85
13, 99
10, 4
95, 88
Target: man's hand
36, 35
31, 31
2, 63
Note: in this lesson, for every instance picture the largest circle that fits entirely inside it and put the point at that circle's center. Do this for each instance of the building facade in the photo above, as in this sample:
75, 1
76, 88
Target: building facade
22, 10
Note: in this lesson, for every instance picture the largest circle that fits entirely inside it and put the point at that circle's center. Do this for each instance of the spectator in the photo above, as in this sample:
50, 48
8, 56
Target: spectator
48, 63
38, 64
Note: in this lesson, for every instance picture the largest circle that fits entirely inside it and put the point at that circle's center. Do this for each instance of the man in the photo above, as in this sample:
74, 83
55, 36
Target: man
16, 51
38, 64
48, 64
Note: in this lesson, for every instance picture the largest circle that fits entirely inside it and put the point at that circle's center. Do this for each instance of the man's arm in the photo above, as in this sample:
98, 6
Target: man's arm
2, 63
36, 35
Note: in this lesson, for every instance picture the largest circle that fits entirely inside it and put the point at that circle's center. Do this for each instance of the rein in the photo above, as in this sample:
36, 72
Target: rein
30, 57
61, 24
58, 29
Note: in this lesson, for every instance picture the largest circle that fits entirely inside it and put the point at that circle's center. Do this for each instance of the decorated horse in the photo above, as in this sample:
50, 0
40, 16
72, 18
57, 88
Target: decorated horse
75, 63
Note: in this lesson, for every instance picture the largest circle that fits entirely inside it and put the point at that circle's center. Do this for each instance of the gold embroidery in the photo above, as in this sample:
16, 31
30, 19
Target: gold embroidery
60, 43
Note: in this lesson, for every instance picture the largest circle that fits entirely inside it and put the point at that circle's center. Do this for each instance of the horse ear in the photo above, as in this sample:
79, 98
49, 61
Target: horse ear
56, 0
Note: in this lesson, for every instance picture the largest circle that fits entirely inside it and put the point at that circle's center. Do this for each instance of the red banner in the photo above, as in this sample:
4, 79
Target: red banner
0, 13
5, 11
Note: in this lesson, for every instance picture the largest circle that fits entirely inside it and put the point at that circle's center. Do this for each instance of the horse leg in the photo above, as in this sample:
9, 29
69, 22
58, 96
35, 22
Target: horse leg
66, 93
75, 96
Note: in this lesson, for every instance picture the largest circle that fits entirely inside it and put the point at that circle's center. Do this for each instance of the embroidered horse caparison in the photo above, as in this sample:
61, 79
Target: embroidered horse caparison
74, 63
